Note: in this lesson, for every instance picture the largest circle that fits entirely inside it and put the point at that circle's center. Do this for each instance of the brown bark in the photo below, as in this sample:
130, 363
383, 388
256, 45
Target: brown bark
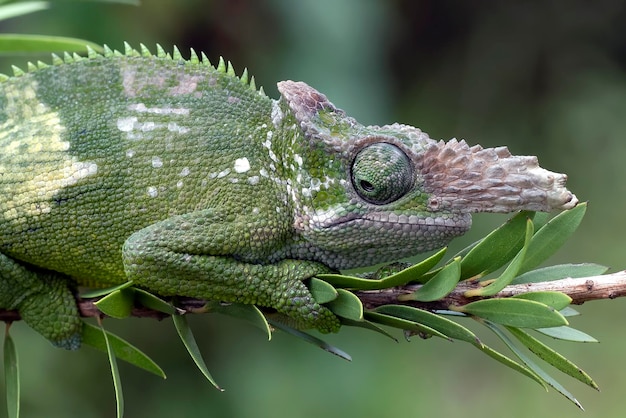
608, 286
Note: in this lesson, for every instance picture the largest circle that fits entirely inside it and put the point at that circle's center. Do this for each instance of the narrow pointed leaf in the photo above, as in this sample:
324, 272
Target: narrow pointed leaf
347, 305
556, 300
19, 9
348, 282
118, 304
561, 271
569, 311
413, 273
312, 340
510, 272
367, 325
153, 302
93, 337
11, 376
532, 365
115, 373
439, 286
540, 219
189, 341
567, 334
447, 327
322, 291
497, 248
552, 236
13, 42
552, 357
514, 312
96, 293
248, 313
502, 359
404, 324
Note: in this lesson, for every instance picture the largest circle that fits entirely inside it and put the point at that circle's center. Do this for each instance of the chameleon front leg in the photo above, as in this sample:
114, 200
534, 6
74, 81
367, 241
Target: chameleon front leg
44, 301
208, 255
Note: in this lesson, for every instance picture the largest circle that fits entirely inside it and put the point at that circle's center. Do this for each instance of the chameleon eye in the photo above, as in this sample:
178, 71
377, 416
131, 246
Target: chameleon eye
382, 173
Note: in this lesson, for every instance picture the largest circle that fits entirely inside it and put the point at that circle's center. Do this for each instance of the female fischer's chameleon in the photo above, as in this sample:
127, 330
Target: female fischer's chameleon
187, 180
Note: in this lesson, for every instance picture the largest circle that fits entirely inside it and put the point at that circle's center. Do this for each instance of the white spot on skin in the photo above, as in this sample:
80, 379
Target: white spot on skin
223, 173
185, 172
156, 162
263, 172
126, 124
130, 153
131, 125
174, 127
298, 159
140, 107
242, 165
277, 114
254, 180
179, 184
152, 191
256, 211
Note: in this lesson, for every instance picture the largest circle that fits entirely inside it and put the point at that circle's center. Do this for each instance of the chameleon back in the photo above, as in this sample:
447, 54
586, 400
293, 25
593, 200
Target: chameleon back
89, 163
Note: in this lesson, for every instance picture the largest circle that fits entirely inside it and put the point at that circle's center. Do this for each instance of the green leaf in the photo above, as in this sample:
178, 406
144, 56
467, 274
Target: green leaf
248, 313
118, 304
439, 286
322, 291
556, 300
312, 340
367, 325
11, 376
561, 271
22, 8
347, 305
514, 312
413, 273
153, 302
568, 334
569, 311
531, 364
115, 373
501, 358
552, 236
92, 336
447, 327
540, 219
186, 336
510, 272
96, 293
552, 357
497, 248
404, 324
19, 43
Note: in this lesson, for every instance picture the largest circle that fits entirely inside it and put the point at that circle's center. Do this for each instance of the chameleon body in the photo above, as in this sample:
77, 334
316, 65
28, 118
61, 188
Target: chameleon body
187, 180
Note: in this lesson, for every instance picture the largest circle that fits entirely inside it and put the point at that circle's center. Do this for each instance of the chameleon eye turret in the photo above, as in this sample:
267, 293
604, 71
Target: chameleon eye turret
382, 173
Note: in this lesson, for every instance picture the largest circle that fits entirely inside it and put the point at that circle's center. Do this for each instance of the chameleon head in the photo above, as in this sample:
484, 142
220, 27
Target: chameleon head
372, 194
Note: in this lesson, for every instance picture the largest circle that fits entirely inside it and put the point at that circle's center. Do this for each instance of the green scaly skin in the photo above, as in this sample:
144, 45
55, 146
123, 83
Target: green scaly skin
187, 180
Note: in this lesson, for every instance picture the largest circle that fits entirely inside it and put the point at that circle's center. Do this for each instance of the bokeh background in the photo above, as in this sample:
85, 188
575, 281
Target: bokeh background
546, 78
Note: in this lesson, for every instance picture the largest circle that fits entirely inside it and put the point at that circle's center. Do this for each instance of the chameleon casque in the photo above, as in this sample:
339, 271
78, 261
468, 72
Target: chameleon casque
188, 180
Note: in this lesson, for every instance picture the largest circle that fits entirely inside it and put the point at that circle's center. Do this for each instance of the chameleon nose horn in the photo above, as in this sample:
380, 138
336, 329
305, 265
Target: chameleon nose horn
476, 179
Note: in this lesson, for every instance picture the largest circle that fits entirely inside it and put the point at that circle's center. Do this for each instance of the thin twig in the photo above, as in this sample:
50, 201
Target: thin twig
607, 286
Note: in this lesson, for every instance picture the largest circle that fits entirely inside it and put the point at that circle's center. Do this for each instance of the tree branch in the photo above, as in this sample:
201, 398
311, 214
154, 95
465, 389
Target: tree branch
581, 290
607, 286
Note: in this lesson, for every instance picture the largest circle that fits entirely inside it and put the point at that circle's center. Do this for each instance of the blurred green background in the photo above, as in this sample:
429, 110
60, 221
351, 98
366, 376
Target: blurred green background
545, 78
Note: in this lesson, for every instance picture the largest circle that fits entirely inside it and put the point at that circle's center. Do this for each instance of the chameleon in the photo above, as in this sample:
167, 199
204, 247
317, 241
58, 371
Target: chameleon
188, 180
